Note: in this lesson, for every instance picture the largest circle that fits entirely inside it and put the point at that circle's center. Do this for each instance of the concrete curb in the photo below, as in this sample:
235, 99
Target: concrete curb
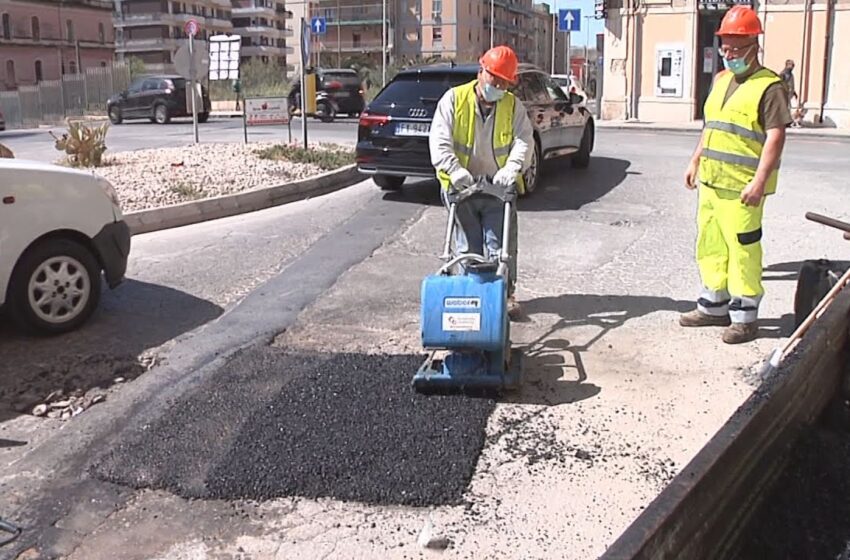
642, 126
186, 213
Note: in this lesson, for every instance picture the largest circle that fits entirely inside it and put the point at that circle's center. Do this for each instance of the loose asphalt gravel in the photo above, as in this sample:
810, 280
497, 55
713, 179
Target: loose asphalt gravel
274, 424
806, 514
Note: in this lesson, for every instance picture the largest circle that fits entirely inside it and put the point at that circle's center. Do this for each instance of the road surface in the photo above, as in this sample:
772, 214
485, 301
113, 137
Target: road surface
282, 345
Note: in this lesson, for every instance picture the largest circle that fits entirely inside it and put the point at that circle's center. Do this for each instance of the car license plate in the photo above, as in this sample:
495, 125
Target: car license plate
342, 94
412, 129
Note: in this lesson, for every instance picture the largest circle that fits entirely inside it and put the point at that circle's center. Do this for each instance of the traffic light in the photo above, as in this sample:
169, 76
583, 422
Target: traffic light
600, 9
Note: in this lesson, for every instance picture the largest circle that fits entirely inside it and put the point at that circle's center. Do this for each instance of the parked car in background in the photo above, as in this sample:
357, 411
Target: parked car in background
569, 84
392, 137
341, 88
60, 231
158, 98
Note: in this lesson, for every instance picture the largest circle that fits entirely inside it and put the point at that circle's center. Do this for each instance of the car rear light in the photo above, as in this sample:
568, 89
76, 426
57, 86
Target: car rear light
334, 85
372, 119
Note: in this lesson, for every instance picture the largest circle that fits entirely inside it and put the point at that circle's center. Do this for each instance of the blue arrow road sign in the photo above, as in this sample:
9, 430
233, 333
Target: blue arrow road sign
569, 20
318, 25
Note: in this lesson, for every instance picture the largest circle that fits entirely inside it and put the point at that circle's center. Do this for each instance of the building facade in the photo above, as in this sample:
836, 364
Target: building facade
661, 56
43, 40
419, 30
262, 24
153, 30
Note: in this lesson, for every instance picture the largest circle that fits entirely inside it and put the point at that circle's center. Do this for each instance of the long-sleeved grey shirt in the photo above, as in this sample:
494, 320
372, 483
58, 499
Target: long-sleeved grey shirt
483, 160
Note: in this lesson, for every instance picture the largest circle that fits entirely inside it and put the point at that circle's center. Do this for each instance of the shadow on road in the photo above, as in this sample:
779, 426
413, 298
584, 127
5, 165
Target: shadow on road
135, 318
561, 187
546, 366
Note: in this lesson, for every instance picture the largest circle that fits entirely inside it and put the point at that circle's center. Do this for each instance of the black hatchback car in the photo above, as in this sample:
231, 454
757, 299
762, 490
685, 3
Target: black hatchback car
158, 98
392, 138
342, 85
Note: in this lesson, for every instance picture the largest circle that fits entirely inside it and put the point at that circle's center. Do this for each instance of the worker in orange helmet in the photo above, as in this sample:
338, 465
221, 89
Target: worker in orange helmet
735, 167
481, 129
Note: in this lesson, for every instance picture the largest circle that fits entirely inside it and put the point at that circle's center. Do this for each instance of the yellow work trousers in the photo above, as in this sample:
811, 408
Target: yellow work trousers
729, 254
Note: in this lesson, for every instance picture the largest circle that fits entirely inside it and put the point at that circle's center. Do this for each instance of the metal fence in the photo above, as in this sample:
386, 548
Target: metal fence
75, 95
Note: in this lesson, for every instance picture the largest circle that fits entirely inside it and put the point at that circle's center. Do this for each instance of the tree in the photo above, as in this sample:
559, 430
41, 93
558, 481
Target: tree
137, 66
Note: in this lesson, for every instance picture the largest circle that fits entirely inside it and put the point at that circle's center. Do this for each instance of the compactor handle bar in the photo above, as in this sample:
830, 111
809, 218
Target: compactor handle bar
831, 222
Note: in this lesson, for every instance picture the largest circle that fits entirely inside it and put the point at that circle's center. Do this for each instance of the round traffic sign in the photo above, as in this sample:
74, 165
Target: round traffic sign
191, 28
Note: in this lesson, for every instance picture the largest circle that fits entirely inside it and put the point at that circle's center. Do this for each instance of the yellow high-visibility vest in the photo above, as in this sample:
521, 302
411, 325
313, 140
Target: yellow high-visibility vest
734, 139
463, 133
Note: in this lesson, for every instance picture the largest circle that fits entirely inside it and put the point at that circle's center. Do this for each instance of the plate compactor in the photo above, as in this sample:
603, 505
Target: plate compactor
467, 314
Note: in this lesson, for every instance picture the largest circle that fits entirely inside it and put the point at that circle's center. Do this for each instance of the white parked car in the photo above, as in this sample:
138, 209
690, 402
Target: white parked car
61, 230
569, 84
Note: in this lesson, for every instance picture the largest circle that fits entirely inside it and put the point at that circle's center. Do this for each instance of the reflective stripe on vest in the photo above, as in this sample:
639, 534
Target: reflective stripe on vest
463, 132
733, 138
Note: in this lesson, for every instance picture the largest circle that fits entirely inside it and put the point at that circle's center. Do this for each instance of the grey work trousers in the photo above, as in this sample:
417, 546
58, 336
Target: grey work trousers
478, 224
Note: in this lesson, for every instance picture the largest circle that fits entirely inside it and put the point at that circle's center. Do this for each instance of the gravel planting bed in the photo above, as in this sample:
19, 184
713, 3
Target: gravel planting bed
164, 176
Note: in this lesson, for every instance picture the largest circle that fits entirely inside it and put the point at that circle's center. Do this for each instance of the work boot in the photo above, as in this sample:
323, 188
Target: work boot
697, 318
738, 333
513, 308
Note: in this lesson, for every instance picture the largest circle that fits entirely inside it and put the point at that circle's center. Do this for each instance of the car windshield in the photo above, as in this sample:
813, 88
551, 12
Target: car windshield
345, 78
425, 87
563, 82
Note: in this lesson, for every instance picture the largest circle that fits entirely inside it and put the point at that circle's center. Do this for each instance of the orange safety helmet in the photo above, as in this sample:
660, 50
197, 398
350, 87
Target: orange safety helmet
500, 61
741, 21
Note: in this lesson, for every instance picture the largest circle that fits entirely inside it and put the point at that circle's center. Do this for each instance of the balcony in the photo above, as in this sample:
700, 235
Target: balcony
263, 31
145, 45
351, 47
254, 11
28, 41
219, 24
265, 50
221, 3
355, 15
144, 20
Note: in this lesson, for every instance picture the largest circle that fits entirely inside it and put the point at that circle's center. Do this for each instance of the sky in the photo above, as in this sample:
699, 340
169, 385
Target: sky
586, 7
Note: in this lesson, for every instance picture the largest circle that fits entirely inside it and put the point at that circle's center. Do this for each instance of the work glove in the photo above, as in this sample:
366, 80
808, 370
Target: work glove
506, 177
461, 179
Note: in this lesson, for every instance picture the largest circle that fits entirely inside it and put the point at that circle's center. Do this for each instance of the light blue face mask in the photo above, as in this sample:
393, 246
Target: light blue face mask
491, 93
736, 66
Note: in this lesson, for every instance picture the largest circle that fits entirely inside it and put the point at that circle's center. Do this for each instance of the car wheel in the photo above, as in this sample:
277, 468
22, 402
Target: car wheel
388, 182
325, 112
55, 287
160, 114
532, 174
581, 159
115, 115
203, 117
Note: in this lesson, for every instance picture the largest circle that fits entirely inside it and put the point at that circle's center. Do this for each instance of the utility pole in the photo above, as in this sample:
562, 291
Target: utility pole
492, 20
384, 44
554, 33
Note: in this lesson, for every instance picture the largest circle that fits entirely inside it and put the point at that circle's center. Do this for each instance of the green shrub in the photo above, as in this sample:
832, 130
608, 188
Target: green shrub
326, 158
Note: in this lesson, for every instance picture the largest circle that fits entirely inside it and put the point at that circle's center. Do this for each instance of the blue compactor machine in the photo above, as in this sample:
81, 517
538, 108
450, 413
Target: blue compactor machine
467, 314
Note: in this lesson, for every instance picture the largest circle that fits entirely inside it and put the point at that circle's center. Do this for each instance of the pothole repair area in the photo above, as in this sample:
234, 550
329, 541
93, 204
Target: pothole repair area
274, 423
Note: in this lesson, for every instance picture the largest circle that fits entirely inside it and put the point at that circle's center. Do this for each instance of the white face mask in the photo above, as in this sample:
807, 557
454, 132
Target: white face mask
491, 93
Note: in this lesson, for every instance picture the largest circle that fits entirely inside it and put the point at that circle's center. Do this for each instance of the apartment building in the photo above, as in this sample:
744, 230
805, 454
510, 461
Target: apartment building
262, 24
425, 29
42, 40
659, 64
152, 30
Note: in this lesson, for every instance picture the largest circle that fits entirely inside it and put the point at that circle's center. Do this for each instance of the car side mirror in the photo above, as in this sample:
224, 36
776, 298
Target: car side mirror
575, 98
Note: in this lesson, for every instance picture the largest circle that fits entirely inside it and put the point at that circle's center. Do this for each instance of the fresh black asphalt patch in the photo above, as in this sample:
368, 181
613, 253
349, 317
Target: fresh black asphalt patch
273, 423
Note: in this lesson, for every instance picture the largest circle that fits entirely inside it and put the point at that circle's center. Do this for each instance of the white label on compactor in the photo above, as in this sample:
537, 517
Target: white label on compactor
461, 321
462, 302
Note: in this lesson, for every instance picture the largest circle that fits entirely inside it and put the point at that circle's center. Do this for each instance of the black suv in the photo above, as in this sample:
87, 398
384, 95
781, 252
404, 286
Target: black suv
342, 85
392, 138
158, 98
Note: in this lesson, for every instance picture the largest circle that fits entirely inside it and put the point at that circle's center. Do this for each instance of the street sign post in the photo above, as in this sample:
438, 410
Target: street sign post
305, 56
569, 21
191, 28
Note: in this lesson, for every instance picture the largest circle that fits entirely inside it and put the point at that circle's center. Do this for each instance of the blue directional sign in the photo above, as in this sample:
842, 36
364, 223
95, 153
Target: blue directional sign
569, 20
318, 25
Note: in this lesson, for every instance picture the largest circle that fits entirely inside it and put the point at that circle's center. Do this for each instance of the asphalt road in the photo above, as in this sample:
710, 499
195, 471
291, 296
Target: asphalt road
38, 144
616, 399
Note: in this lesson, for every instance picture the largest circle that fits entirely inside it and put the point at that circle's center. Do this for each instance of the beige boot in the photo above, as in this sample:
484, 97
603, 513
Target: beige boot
697, 318
738, 333
513, 308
